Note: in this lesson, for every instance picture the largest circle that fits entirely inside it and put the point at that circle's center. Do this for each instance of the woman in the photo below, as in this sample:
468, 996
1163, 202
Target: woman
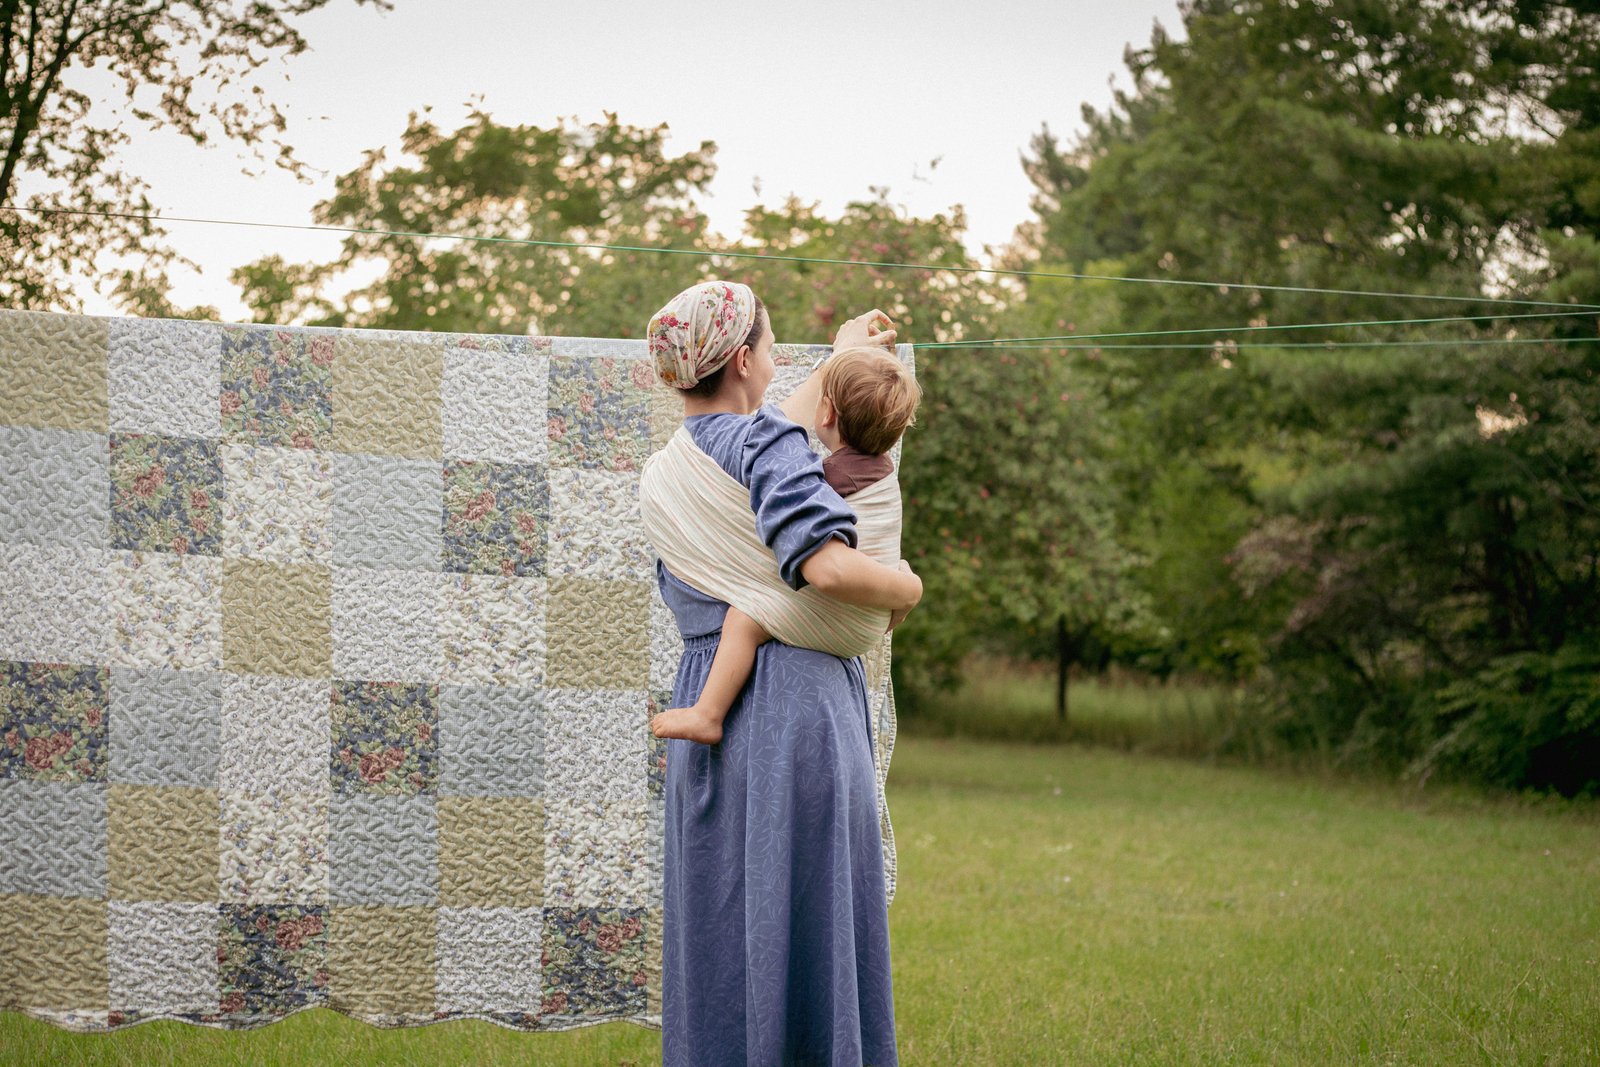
776, 943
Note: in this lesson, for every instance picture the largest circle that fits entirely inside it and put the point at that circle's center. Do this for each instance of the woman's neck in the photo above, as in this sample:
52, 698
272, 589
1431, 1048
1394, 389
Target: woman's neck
713, 405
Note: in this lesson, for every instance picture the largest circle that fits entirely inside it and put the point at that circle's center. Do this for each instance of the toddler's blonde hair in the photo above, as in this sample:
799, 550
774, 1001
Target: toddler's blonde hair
875, 395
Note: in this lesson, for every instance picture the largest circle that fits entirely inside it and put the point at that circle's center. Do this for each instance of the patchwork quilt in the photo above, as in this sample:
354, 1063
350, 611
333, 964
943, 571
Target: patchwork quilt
326, 664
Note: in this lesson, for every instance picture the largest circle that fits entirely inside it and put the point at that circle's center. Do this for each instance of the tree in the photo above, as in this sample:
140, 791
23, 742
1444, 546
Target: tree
186, 66
596, 183
1414, 527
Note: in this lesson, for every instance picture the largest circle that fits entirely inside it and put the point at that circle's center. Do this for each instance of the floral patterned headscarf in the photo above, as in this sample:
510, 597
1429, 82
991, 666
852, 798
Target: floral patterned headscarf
699, 330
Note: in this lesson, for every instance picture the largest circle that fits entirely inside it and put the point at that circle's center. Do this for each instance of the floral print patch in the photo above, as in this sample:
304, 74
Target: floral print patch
495, 517
385, 737
515, 346
276, 386
53, 721
599, 412
279, 504
271, 958
273, 847
593, 960
166, 494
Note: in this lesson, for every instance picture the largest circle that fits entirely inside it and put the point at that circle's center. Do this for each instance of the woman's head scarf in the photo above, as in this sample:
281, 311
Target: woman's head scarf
699, 330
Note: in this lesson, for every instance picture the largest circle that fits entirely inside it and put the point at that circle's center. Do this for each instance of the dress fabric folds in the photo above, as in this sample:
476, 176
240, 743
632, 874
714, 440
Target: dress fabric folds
776, 945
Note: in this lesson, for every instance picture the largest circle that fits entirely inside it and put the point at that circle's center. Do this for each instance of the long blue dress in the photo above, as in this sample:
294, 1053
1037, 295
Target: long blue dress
776, 924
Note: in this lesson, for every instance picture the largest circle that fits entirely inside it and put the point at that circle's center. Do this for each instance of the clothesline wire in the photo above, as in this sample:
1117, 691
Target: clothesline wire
1223, 346
1000, 271
994, 341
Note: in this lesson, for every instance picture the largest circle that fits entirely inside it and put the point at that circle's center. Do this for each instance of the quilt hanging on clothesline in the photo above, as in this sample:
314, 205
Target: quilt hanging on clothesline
327, 659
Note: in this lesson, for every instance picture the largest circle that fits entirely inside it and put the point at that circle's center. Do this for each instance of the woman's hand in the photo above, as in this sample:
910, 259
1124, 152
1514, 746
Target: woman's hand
898, 616
846, 574
869, 330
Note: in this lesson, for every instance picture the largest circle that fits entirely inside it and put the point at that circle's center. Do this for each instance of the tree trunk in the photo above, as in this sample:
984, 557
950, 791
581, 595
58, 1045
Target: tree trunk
1063, 661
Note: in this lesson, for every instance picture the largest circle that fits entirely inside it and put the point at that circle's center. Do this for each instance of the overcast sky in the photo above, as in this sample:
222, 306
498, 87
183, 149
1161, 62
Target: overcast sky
823, 99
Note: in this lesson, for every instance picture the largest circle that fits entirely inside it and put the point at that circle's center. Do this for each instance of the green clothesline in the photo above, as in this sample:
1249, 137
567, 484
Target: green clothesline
1065, 275
994, 341
1222, 346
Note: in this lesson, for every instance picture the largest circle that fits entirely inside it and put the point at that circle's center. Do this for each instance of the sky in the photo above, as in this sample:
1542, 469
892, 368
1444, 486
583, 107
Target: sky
824, 99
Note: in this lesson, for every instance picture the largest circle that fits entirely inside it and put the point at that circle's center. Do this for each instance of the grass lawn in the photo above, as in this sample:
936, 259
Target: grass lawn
1068, 905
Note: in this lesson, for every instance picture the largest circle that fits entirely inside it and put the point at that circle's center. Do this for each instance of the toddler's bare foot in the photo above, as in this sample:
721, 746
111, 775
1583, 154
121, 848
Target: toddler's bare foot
691, 724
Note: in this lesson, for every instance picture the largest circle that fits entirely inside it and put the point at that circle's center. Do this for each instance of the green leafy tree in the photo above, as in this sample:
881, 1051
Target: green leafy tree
187, 66
588, 183
1416, 524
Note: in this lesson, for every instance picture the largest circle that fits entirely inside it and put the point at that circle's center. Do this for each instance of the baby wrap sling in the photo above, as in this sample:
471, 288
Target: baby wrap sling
698, 518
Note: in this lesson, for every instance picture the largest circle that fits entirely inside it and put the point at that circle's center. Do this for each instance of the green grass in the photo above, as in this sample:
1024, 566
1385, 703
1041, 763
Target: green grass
1064, 905
1000, 700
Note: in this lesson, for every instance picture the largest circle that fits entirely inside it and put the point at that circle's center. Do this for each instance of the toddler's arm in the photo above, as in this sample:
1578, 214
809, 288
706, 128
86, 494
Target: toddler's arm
730, 670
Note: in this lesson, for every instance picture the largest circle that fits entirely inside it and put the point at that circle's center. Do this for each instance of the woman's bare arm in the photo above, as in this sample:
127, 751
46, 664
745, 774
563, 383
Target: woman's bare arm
853, 577
801, 405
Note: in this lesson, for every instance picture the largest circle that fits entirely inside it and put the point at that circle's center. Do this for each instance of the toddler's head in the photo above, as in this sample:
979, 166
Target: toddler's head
872, 397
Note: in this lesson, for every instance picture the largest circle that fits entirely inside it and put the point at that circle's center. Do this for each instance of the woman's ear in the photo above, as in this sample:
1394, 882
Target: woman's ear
741, 361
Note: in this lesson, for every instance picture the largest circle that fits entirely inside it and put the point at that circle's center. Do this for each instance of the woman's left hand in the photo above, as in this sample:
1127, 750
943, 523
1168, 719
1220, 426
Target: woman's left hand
872, 329
898, 616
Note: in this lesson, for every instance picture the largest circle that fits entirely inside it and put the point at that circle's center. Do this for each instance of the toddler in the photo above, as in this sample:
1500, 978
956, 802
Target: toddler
863, 399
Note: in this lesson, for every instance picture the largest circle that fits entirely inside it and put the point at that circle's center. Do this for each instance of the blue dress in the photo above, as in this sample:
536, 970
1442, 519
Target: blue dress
776, 924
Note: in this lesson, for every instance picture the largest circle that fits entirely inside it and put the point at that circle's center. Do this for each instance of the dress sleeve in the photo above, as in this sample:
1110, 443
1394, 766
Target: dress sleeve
797, 511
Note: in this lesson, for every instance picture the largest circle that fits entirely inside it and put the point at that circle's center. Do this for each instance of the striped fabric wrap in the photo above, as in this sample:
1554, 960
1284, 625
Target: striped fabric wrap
702, 526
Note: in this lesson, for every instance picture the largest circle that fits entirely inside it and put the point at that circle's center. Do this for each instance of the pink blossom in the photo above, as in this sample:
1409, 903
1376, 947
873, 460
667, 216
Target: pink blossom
480, 506
372, 767
147, 483
39, 754
289, 936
